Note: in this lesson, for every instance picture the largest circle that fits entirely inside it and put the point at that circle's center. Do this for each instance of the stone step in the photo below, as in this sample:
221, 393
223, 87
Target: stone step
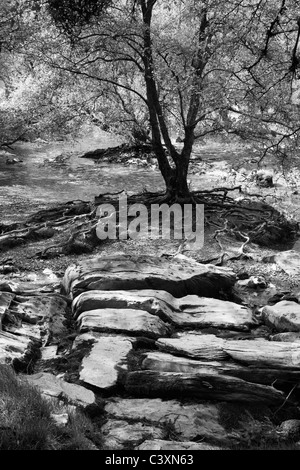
128, 321
207, 347
106, 361
187, 312
263, 353
180, 277
94, 300
162, 362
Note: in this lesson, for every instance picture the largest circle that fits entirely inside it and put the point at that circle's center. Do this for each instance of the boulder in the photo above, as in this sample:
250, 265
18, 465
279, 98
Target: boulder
283, 316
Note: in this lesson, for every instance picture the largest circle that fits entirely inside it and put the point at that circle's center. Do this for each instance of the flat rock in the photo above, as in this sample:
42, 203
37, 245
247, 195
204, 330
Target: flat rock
159, 444
283, 316
106, 361
289, 261
163, 362
119, 435
207, 386
207, 347
57, 388
180, 277
201, 420
263, 353
134, 322
200, 312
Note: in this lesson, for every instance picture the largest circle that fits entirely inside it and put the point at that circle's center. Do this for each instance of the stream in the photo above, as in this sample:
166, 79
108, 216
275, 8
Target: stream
52, 172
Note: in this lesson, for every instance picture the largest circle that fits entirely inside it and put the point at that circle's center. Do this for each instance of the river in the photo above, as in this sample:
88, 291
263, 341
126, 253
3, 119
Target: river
39, 179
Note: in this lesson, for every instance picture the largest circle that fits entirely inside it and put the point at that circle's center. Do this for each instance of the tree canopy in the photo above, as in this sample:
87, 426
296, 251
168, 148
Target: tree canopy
156, 68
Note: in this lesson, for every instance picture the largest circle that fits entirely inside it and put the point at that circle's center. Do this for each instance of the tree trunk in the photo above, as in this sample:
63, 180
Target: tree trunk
175, 178
177, 185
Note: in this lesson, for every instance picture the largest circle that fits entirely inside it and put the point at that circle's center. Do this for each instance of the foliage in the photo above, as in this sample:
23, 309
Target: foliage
71, 15
187, 67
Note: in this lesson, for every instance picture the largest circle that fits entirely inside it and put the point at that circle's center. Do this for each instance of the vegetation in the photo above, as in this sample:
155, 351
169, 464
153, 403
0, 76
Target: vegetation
154, 68
27, 419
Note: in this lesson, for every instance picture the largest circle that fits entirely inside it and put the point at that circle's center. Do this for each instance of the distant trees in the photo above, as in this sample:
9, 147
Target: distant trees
35, 99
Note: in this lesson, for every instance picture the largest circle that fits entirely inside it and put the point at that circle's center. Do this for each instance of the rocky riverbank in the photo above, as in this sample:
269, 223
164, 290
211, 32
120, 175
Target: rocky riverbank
161, 353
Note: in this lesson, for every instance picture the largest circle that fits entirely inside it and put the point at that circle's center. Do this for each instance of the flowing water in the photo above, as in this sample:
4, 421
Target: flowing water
40, 179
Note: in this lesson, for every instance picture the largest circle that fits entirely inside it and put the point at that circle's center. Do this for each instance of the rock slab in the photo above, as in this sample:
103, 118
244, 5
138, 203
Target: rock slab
179, 277
54, 387
106, 360
134, 322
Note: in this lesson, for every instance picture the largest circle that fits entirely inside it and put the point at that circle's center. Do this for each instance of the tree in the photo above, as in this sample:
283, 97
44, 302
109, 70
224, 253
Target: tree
128, 47
196, 66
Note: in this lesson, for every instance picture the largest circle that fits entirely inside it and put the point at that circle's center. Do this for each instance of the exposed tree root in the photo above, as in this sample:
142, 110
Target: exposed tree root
246, 216
248, 219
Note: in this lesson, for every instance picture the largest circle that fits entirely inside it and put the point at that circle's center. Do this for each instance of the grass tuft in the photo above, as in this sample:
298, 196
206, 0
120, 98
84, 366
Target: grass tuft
26, 421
